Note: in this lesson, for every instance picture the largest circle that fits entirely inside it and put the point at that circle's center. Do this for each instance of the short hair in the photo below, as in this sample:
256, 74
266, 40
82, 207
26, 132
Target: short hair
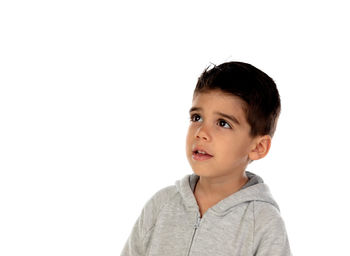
253, 86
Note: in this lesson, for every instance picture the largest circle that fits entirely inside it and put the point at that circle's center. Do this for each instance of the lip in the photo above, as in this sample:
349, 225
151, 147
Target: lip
199, 148
200, 157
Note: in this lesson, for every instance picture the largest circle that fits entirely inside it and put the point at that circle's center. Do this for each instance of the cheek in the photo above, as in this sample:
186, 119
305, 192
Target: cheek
234, 149
189, 140
190, 133
188, 136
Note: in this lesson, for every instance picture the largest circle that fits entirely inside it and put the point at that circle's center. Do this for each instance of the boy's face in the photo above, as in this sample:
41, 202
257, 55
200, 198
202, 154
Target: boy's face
227, 141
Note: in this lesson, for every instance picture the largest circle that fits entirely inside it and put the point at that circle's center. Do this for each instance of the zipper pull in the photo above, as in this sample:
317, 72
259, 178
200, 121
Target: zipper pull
198, 222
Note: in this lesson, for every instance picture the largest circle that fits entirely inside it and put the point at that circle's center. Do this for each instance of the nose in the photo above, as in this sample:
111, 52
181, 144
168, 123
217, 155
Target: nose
202, 133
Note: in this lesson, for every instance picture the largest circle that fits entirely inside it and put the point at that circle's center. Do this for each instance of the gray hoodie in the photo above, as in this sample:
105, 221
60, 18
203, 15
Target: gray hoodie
247, 222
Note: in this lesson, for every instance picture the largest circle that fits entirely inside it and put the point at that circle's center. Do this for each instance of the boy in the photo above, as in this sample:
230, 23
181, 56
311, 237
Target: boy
220, 209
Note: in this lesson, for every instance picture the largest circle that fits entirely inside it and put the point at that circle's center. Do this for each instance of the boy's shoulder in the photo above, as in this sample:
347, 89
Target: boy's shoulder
163, 195
159, 199
268, 220
264, 211
153, 206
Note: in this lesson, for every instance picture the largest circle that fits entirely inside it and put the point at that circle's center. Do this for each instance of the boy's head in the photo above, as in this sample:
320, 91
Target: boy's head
258, 91
251, 98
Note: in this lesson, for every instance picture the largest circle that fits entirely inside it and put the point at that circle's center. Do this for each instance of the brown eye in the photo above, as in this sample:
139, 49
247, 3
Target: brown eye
193, 118
224, 122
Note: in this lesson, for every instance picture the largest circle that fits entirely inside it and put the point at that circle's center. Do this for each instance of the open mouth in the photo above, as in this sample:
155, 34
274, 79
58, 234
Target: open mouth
198, 152
200, 155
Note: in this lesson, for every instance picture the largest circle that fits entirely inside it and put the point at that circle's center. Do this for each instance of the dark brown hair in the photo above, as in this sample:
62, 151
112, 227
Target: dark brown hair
253, 86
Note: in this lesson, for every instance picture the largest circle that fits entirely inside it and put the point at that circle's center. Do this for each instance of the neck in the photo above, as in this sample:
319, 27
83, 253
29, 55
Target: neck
217, 188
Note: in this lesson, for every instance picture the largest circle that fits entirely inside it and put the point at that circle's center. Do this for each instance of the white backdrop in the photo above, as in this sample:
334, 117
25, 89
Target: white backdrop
94, 100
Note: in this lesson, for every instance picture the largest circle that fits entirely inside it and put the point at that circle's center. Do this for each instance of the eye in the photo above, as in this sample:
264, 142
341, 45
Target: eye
221, 121
193, 117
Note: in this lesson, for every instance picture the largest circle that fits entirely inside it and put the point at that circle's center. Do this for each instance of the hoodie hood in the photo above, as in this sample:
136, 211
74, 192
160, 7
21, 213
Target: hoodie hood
254, 190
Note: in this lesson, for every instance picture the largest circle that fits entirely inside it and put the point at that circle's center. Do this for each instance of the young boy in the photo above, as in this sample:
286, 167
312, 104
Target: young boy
220, 209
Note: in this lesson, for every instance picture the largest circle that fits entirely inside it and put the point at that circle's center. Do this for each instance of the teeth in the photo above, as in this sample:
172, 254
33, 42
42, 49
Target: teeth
201, 152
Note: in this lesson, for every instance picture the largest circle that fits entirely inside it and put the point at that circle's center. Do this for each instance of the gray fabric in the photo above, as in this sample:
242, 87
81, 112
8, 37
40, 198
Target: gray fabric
247, 222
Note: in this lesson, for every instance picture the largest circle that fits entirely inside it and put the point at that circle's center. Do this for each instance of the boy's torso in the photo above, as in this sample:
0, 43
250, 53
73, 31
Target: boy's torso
188, 233
186, 228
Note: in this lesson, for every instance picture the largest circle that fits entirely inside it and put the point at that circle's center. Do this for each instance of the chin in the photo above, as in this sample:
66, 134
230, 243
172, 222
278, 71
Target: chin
205, 172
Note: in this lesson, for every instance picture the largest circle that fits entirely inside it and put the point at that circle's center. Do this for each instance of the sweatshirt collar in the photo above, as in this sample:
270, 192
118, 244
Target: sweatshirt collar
254, 190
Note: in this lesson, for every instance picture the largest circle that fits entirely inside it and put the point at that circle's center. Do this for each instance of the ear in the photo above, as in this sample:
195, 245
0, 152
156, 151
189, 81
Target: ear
260, 148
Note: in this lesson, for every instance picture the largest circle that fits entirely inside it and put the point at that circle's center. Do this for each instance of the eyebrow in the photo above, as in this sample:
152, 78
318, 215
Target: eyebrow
232, 118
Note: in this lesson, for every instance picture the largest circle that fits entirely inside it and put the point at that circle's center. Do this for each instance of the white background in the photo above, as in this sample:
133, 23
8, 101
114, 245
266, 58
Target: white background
94, 102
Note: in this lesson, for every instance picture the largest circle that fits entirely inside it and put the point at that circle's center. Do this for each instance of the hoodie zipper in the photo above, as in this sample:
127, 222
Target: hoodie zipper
196, 225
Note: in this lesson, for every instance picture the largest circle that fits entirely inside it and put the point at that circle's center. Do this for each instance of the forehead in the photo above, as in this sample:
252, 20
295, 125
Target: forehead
218, 101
